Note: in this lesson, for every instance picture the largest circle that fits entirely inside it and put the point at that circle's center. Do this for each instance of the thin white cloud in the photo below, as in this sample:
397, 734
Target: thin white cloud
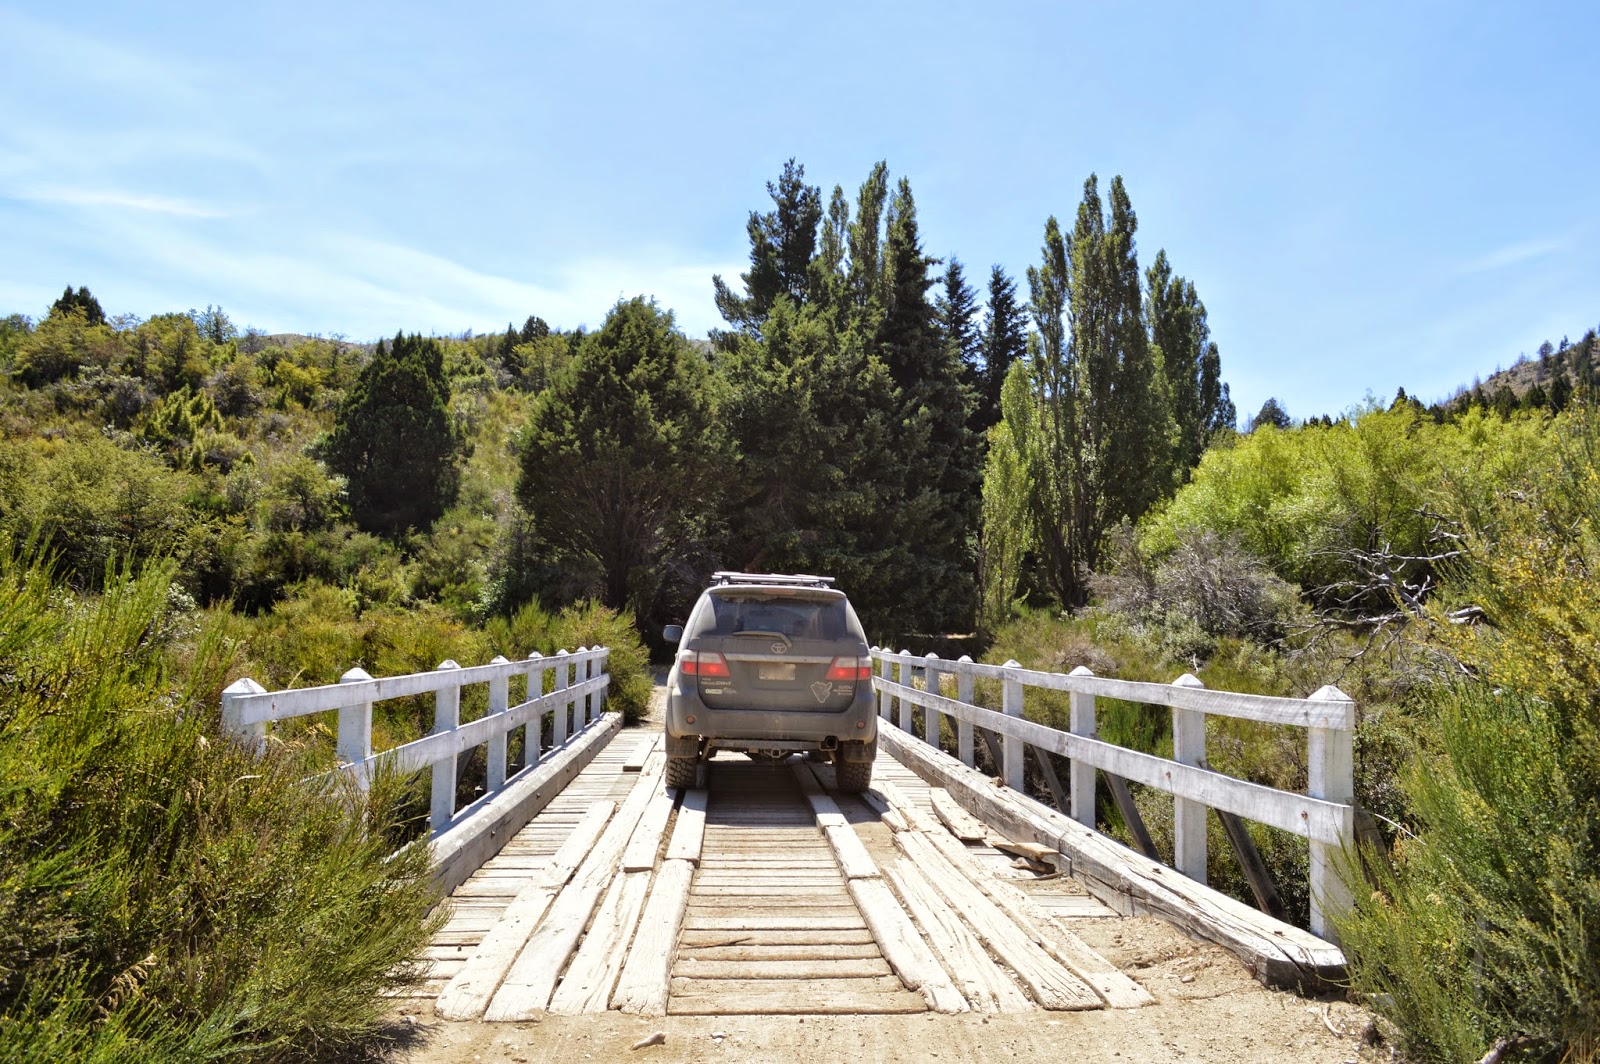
120, 200
1512, 255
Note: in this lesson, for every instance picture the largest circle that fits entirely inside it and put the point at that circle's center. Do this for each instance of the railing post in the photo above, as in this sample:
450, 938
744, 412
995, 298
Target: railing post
885, 699
446, 718
964, 727
499, 699
533, 734
907, 679
931, 716
1189, 815
582, 671
354, 744
1011, 748
1331, 777
558, 734
604, 664
253, 736
1082, 775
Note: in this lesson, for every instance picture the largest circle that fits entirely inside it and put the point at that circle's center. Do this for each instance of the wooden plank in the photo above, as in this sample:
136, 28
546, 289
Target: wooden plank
527, 987
709, 938
763, 998
1278, 954
642, 750
903, 805
903, 948
798, 951
587, 985
468, 993
978, 977
962, 824
1115, 988
854, 861
696, 967
688, 833
1032, 851
647, 971
1050, 984
775, 923
640, 856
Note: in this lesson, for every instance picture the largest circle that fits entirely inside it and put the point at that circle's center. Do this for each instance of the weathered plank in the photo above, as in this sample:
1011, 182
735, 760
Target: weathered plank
1050, 984
688, 832
798, 951
805, 998
1115, 988
696, 967
640, 856
586, 987
979, 979
1278, 954
854, 861
775, 923
527, 987
642, 987
708, 938
962, 824
903, 948
467, 994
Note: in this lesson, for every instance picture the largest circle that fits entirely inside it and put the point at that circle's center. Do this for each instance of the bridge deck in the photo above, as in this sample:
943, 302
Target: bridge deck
797, 899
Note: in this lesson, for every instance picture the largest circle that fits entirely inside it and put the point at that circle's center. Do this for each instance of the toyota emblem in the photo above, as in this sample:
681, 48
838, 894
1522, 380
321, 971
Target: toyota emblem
779, 648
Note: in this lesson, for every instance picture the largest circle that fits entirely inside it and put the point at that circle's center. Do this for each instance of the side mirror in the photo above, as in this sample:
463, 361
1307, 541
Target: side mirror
672, 633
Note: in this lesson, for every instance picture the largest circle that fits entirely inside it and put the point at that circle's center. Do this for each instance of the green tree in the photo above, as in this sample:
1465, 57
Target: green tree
1201, 406
957, 306
1271, 414
1105, 430
393, 440
80, 300
624, 464
1003, 342
782, 243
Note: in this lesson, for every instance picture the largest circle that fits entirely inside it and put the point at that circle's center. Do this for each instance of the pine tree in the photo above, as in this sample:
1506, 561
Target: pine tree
393, 439
957, 306
782, 243
625, 463
1004, 341
80, 300
1272, 414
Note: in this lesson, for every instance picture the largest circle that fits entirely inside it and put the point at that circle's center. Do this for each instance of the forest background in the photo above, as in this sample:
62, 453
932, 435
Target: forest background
1048, 468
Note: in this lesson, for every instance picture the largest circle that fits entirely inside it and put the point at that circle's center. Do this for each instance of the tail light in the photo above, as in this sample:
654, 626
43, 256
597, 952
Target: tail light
850, 669
709, 666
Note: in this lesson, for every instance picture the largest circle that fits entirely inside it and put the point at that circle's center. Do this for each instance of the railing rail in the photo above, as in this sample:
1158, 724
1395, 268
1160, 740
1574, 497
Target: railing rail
1325, 815
580, 682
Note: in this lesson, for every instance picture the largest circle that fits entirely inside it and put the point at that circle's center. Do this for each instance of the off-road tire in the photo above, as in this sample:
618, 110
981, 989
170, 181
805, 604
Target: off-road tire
853, 777
681, 771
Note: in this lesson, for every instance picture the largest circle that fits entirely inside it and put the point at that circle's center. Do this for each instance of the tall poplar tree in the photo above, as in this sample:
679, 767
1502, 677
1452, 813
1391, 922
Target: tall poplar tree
1201, 405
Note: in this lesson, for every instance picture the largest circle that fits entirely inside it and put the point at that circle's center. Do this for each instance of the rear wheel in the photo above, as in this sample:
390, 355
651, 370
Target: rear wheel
853, 777
681, 771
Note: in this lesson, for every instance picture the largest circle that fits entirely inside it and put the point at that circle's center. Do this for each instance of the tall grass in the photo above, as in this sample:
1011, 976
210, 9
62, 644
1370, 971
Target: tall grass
164, 893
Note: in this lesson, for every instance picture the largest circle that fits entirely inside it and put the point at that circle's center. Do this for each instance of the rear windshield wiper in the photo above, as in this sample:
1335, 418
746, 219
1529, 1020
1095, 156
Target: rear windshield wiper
787, 642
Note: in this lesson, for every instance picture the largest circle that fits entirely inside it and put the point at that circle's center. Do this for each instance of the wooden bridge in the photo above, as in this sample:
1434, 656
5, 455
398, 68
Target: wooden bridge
579, 883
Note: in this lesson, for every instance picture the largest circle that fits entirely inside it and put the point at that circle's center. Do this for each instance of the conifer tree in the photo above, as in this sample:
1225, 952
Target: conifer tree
957, 306
782, 243
625, 462
1003, 342
393, 439
80, 299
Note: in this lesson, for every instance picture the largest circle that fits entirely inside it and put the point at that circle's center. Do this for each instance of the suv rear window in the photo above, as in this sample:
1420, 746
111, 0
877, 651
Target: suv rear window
796, 616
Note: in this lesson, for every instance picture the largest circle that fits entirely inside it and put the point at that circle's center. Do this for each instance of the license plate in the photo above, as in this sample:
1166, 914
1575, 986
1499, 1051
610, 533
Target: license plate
776, 671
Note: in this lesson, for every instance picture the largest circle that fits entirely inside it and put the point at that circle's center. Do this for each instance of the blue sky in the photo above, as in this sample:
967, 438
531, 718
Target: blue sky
1366, 197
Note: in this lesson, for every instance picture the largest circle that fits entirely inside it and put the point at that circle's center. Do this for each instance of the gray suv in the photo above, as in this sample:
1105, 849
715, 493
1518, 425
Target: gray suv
771, 665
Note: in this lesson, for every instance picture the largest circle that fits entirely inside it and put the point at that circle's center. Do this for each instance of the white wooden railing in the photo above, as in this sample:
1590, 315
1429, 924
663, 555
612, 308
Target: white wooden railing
1325, 815
580, 681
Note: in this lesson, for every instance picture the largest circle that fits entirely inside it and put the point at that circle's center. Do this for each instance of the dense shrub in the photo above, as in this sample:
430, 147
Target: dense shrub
1487, 927
166, 894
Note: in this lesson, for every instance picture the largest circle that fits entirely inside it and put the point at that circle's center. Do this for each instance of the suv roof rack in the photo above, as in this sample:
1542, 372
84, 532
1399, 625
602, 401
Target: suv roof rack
722, 579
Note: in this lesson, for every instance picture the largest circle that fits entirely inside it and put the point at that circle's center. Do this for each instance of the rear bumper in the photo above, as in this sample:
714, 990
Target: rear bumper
747, 728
